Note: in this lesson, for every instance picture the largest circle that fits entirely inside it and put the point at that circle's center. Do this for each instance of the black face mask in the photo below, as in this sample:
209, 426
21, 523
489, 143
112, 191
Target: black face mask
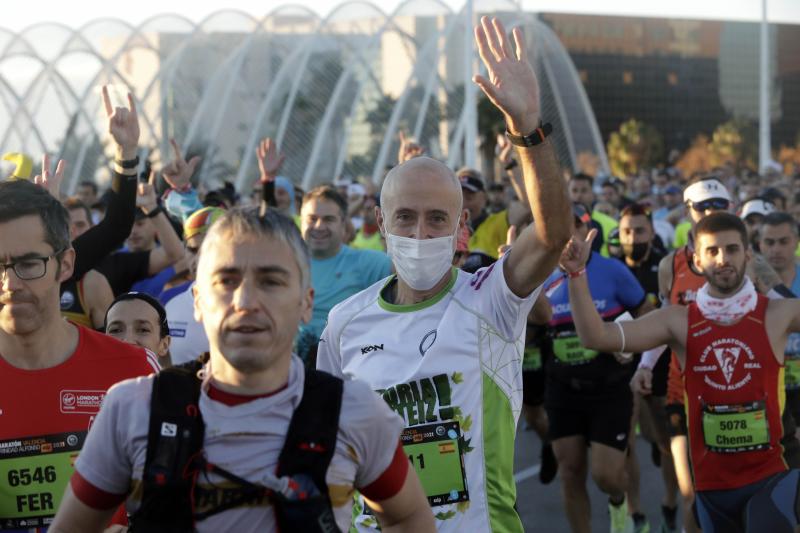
636, 251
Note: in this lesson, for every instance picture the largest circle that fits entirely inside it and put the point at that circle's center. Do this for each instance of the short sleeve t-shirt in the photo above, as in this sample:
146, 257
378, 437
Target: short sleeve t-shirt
452, 368
614, 290
339, 277
188, 337
44, 418
244, 439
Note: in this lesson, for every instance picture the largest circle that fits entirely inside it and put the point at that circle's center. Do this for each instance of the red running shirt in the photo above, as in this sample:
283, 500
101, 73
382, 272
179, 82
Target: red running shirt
45, 416
735, 396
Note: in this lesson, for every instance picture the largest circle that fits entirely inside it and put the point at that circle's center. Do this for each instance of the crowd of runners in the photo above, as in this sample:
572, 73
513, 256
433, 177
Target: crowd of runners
355, 357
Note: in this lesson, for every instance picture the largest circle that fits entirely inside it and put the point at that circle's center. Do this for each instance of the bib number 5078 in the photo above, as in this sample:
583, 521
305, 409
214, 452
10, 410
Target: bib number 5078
729, 425
26, 476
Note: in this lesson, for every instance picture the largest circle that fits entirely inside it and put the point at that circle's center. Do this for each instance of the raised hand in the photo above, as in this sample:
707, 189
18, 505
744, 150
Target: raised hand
51, 180
512, 86
146, 194
178, 172
408, 149
269, 160
123, 125
576, 252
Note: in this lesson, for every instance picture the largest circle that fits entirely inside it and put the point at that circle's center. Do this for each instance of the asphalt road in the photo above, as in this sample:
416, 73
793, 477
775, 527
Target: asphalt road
540, 505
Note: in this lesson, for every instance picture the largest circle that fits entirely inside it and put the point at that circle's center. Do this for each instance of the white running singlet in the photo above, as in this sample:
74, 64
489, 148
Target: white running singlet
452, 368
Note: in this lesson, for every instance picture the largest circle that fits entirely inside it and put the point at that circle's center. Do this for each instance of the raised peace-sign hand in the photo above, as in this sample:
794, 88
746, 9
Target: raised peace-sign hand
512, 86
409, 149
123, 125
269, 160
178, 173
576, 252
51, 180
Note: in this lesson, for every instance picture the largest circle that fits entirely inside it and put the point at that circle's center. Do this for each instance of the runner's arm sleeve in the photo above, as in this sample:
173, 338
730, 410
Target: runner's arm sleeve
391, 480
111, 232
75, 516
372, 431
488, 293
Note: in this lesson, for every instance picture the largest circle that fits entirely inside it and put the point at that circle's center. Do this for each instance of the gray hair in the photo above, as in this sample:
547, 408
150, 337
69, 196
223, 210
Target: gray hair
249, 222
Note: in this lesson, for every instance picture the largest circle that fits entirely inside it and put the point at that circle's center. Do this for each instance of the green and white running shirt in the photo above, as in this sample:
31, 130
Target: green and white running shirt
452, 368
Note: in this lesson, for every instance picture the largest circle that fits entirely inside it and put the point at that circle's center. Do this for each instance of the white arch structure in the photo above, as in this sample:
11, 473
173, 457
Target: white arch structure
332, 91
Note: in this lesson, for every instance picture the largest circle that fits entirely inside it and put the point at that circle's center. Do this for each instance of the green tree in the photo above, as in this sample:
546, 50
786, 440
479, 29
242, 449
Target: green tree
734, 142
634, 146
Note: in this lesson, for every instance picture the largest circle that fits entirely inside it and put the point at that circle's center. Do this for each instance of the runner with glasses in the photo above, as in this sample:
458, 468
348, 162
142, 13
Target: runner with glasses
53, 373
30, 266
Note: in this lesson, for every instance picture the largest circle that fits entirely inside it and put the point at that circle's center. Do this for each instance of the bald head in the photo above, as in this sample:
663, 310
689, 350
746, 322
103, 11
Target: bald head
421, 198
417, 174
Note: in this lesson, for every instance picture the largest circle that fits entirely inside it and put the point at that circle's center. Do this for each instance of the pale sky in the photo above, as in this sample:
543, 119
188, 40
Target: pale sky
77, 12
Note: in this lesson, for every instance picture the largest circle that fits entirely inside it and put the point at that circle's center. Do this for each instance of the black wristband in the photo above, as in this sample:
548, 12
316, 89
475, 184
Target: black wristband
155, 212
513, 164
537, 136
128, 163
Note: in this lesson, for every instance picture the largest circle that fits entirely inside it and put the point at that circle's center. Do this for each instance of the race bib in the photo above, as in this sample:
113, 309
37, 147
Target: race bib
736, 428
434, 453
532, 359
34, 471
792, 373
568, 350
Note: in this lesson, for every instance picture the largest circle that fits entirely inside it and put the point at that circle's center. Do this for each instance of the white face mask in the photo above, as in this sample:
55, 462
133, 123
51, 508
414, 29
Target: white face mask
421, 263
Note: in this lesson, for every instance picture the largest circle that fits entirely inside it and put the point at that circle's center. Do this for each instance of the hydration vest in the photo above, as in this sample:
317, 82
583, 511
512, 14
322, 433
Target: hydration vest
175, 457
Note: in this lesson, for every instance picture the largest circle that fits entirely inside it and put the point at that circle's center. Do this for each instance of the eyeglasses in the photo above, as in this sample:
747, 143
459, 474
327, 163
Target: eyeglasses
29, 268
717, 204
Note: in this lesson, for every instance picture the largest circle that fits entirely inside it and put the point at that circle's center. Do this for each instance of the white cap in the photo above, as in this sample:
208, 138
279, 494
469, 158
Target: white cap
756, 207
705, 190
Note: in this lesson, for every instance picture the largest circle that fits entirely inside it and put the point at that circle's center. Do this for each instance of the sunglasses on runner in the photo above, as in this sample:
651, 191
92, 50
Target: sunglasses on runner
717, 204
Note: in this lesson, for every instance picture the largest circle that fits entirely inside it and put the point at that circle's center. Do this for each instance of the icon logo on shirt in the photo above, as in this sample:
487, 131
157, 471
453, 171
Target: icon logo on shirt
81, 401
373, 348
734, 360
67, 300
427, 342
168, 430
